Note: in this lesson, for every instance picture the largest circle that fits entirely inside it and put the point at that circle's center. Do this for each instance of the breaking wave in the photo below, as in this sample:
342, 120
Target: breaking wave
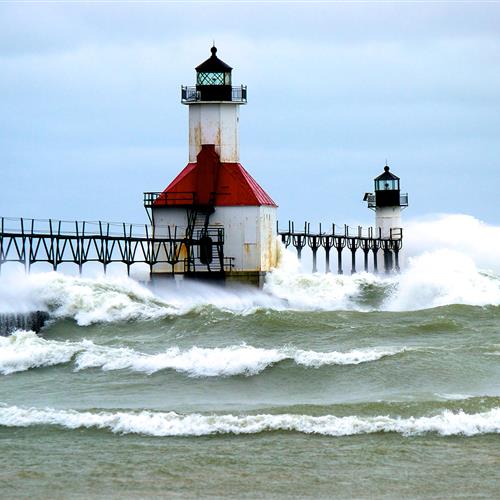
446, 423
449, 271
450, 259
25, 350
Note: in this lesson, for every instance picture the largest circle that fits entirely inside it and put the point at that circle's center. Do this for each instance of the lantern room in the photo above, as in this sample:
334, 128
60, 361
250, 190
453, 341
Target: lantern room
387, 190
387, 181
213, 71
213, 80
214, 84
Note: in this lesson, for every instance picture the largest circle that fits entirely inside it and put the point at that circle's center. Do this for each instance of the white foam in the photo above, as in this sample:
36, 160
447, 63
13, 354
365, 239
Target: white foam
221, 361
305, 291
452, 260
25, 350
461, 233
440, 278
454, 397
196, 361
437, 277
149, 423
115, 299
354, 357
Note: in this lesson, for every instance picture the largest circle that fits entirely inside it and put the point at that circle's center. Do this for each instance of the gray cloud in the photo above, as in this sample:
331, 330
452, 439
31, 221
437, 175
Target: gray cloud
91, 112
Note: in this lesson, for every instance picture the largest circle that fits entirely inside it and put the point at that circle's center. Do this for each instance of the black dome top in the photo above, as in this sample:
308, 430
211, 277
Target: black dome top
213, 64
387, 176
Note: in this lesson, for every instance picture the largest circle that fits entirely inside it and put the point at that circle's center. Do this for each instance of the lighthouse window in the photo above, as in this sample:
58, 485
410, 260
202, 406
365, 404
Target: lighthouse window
387, 185
210, 79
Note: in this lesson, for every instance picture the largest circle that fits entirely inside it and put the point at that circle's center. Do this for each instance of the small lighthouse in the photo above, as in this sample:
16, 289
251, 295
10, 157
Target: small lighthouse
224, 220
387, 202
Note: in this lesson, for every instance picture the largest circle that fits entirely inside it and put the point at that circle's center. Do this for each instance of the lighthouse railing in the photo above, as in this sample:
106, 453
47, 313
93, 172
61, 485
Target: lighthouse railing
403, 200
192, 94
163, 198
371, 200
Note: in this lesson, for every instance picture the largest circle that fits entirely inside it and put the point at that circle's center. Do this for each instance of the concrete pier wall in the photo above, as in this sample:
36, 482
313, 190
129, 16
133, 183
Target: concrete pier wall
10, 322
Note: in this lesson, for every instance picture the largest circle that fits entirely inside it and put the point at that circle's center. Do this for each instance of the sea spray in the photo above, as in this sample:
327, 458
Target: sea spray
327, 292
24, 350
432, 279
453, 273
443, 277
114, 299
460, 233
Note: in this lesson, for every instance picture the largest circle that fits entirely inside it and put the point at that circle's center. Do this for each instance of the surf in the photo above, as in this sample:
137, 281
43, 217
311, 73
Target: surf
170, 424
446, 272
26, 350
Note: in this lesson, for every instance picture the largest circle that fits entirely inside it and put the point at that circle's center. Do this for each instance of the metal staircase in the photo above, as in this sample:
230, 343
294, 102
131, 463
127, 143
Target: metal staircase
198, 218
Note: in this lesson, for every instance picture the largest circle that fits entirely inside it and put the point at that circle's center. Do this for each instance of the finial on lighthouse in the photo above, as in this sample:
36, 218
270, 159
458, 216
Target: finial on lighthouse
213, 50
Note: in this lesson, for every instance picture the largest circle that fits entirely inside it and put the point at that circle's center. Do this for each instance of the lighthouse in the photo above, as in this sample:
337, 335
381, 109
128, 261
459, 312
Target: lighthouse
387, 202
224, 220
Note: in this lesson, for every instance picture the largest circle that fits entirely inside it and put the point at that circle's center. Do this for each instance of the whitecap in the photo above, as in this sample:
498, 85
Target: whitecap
446, 423
25, 350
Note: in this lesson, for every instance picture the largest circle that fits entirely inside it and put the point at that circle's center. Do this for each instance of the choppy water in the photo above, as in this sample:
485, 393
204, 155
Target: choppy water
318, 386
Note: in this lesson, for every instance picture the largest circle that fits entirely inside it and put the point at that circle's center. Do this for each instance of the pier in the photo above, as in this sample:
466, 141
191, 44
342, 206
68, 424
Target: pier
56, 242
369, 241
10, 322
31, 241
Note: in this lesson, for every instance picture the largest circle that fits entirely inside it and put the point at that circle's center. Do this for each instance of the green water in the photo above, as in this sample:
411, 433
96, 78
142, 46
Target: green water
444, 359
86, 410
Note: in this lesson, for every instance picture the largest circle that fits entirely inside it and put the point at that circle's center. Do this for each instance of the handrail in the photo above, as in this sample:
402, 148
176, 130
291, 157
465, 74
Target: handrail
83, 229
192, 94
55, 242
371, 199
338, 231
163, 198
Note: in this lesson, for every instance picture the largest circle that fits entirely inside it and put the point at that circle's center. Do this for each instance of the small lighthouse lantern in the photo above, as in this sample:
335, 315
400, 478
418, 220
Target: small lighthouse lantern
387, 202
387, 190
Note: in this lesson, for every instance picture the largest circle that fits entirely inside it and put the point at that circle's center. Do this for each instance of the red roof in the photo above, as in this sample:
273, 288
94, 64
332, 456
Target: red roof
231, 183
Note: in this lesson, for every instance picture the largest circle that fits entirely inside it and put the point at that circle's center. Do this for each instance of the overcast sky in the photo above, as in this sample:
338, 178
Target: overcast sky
91, 114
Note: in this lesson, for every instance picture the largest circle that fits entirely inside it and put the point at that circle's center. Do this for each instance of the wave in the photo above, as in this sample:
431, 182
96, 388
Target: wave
119, 299
455, 270
222, 361
25, 350
446, 423
432, 279
86, 300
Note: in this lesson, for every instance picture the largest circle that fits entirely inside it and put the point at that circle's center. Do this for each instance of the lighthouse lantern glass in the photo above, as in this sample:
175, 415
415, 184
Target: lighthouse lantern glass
387, 185
214, 78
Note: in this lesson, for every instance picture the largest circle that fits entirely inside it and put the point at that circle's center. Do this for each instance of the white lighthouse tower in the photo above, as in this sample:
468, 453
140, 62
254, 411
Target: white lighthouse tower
225, 221
387, 202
